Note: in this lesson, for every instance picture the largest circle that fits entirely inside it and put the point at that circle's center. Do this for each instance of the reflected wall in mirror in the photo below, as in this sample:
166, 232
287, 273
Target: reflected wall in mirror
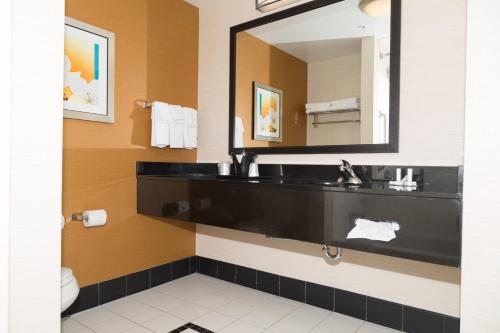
336, 72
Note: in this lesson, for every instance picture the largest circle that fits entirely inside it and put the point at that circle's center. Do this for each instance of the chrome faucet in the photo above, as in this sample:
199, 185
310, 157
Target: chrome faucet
348, 175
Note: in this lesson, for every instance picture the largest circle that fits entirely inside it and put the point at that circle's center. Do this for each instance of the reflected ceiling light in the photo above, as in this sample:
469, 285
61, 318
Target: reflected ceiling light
376, 8
268, 5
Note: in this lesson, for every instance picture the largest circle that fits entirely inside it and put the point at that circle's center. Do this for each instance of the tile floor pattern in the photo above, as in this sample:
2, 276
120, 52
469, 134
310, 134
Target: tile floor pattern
198, 301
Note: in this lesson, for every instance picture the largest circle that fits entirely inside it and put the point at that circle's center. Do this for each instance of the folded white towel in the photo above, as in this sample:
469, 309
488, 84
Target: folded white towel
323, 105
176, 126
160, 125
373, 230
340, 104
190, 128
238, 132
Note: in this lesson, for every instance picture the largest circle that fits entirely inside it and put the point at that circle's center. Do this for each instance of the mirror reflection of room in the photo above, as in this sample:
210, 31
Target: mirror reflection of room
319, 78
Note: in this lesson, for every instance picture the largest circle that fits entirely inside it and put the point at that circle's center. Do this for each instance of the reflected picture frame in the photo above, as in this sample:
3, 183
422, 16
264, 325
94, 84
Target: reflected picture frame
267, 113
89, 72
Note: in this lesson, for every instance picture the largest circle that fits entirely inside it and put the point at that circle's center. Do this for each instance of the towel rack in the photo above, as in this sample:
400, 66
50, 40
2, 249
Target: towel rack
316, 115
317, 123
144, 104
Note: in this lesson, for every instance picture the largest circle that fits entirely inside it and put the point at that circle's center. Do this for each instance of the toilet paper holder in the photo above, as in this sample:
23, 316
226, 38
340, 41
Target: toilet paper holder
91, 218
79, 217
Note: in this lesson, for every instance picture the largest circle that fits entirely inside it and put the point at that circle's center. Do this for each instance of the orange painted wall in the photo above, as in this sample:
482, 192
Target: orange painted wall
156, 59
259, 61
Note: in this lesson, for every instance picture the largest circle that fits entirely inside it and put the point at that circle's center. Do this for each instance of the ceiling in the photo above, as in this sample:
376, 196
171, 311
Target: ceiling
317, 35
321, 50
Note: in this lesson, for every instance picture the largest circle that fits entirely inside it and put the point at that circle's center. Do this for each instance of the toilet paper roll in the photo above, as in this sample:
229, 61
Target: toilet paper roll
94, 218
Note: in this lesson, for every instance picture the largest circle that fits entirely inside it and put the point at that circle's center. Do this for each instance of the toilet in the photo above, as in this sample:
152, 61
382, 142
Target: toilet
69, 288
69, 285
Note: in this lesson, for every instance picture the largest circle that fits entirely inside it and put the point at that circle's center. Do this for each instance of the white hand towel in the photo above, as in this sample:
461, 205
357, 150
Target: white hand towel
177, 127
373, 230
238, 132
160, 125
190, 128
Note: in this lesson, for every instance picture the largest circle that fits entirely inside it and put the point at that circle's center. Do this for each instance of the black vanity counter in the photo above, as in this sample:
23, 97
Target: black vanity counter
303, 202
437, 182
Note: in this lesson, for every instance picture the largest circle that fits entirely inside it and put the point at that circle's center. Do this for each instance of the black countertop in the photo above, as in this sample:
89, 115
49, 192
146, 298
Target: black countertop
437, 182
304, 202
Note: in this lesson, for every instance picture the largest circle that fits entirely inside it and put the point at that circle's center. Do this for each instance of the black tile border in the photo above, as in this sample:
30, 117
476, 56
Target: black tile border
191, 326
112, 290
246, 277
393, 315
451, 325
161, 274
269, 283
350, 304
320, 296
106, 291
293, 289
139, 281
87, 298
384, 313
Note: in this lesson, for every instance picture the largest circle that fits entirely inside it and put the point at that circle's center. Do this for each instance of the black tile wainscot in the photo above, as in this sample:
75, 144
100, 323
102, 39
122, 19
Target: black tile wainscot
319, 210
107, 291
393, 315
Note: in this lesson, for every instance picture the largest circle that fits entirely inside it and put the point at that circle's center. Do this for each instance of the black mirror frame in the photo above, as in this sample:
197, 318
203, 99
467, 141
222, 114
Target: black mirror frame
391, 147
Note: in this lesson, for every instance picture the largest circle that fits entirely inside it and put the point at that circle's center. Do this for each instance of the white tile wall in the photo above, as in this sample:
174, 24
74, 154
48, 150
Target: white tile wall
5, 145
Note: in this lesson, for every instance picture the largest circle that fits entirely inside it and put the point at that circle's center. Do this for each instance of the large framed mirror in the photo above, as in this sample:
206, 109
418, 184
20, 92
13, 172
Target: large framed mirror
321, 77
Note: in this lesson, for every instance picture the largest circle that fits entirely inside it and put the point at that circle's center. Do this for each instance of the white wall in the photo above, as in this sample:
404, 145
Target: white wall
431, 133
368, 88
432, 84
36, 165
481, 229
330, 80
5, 60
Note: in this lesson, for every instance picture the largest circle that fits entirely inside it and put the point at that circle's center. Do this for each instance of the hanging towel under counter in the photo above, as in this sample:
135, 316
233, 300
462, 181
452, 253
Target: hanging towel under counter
177, 127
190, 128
337, 105
160, 125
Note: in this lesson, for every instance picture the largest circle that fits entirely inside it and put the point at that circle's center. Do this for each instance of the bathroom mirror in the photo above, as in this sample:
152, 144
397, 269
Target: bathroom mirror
322, 77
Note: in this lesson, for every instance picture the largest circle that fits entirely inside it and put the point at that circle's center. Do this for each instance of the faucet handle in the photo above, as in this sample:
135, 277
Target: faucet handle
346, 167
348, 173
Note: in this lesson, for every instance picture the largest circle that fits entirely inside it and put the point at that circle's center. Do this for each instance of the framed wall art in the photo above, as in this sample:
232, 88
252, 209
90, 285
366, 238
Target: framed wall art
267, 113
89, 70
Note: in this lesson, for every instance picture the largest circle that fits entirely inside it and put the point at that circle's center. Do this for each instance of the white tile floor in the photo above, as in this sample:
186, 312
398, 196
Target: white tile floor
215, 305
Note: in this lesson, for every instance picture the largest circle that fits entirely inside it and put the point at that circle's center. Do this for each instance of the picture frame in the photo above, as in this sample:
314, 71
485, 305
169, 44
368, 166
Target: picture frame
89, 72
267, 113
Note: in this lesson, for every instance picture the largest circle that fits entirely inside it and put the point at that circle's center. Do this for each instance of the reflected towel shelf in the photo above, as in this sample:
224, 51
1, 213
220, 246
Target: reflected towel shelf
316, 115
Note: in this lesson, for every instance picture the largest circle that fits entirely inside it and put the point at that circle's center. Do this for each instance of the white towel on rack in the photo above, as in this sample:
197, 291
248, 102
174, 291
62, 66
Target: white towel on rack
238, 132
160, 124
177, 126
190, 128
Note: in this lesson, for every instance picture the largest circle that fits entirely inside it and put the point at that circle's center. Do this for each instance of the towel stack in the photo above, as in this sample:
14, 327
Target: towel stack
174, 126
340, 104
